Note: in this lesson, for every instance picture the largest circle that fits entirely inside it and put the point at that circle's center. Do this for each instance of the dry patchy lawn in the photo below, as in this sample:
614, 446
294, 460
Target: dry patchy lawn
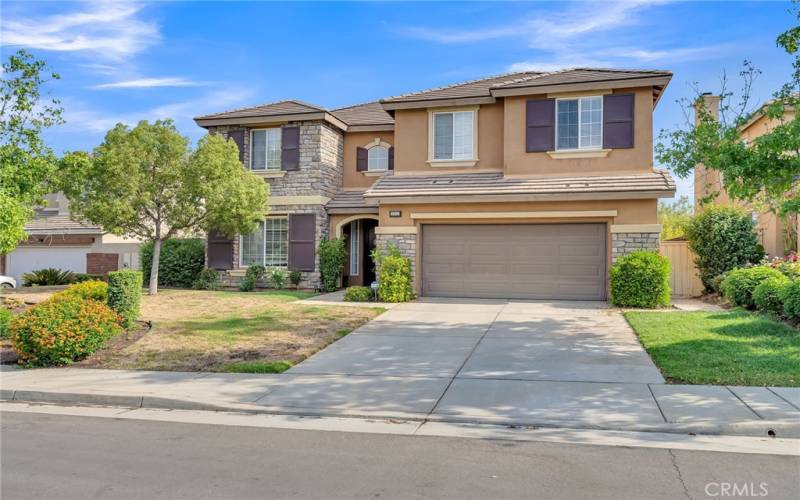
228, 331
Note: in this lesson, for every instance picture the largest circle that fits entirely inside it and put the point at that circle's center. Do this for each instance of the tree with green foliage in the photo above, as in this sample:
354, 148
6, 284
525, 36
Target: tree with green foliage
147, 182
26, 163
763, 172
674, 217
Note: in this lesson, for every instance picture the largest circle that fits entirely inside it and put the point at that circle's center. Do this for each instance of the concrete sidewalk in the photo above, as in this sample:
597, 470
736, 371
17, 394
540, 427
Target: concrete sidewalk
753, 411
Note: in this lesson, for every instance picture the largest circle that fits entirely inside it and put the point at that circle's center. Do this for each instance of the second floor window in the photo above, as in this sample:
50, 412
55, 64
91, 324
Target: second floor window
265, 149
453, 135
377, 158
579, 123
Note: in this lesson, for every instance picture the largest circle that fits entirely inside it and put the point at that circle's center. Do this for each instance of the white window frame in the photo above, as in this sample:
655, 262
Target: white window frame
375, 148
452, 162
355, 241
264, 236
580, 99
267, 167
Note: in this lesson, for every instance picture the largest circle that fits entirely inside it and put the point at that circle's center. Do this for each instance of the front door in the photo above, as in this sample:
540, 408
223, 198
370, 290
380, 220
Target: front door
369, 246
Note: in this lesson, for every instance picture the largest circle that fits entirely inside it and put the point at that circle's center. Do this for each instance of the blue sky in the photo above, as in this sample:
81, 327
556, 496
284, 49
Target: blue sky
131, 61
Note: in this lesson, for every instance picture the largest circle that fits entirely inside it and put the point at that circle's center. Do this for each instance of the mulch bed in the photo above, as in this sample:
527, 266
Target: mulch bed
115, 346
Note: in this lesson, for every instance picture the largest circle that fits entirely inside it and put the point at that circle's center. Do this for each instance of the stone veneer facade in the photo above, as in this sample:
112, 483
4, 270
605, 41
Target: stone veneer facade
319, 175
406, 243
624, 243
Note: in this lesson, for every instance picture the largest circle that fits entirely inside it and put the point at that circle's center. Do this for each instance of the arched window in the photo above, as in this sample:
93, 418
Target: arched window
377, 158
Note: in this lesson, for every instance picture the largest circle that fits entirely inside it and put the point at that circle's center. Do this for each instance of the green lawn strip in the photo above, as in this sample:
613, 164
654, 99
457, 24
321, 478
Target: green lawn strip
256, 367
729, 348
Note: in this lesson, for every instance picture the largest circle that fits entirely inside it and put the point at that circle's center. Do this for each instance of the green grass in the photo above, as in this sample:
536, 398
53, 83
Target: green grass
731, 347
256, 367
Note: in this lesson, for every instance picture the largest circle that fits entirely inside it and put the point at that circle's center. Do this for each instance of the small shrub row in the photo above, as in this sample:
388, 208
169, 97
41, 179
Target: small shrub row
275, 276
764, 288
640, 279
358, 294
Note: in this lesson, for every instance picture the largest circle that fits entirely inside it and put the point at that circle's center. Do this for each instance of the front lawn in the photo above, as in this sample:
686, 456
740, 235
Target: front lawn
253, 332
728, 347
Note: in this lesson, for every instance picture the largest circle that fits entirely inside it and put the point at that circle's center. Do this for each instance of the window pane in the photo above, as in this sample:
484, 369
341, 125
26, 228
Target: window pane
443, 136
591, 122
273, 149
567, 130
378, 158
354, 230
258, 149
276, 242
253, 247
462, 135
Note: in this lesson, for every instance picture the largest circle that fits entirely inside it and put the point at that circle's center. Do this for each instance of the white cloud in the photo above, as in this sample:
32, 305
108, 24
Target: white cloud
146, 83
111, 31
678, 54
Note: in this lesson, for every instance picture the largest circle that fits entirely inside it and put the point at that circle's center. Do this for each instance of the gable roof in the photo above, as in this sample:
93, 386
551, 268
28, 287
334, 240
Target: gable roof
277, 108
471, 88
368, 115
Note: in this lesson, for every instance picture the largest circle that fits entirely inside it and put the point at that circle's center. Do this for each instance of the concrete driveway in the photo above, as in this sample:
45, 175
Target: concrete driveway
507, 361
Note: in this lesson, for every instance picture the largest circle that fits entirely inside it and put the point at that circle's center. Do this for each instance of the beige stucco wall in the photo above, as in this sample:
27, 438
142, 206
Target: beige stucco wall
636, 159
412, 140
352, 140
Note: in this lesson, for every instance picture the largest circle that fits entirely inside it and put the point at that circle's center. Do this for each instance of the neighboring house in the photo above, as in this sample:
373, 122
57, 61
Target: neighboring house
777, 235
56, 240
525, 185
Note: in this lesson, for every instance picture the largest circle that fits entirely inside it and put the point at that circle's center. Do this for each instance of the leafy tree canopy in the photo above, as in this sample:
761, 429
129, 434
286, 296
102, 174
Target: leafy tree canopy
26, 163
147, 182
674, 217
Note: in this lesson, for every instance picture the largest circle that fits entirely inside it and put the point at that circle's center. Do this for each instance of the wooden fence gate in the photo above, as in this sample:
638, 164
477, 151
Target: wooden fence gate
683, 278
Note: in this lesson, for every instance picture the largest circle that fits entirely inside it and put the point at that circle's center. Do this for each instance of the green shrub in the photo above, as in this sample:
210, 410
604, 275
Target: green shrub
332, 256
358, 294
208, 279
394, 275
81, 277
740, 283
278, 278
94, 290
768, 295
125, 294
48, 277
716, 282
791, 300
5, 322
640, 279
251, 277
295, 277
180, 263
722, 239
62, 329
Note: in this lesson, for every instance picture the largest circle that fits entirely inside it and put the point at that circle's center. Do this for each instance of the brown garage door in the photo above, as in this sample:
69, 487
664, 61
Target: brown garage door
523, 261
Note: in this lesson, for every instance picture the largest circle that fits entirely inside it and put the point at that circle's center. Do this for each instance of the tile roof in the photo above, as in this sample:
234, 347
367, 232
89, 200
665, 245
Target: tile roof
57, 224
351, 202
579, 75
369, 113
471, 88
290, 107
495, 183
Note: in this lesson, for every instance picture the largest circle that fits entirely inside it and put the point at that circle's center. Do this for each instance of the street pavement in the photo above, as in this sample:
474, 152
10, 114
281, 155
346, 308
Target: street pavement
66, 457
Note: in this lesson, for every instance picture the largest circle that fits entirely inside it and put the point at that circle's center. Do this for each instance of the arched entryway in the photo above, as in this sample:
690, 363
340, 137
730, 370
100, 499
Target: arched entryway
358, 233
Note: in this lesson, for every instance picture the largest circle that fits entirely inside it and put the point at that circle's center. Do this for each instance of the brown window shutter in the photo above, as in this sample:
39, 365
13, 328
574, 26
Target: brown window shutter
618, 120
362, 160
540, 125
220, 251
391, 158
238, 137
302, 236
290, 148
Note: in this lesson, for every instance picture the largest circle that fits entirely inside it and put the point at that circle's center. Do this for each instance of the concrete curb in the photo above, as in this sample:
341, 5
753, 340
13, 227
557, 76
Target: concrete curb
759, 428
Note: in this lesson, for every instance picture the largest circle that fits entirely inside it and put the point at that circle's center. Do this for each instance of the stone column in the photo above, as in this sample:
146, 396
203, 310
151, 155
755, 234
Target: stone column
407, 244
624, 243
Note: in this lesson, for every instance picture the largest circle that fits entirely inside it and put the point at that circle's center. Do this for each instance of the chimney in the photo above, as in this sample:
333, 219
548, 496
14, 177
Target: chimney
711, 104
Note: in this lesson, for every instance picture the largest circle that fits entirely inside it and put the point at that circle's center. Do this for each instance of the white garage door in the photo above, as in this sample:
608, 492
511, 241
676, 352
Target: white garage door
24, 260
515, 261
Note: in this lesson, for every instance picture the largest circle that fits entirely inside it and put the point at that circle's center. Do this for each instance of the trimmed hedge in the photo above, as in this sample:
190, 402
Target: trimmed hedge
180, 263
358, 294
640, 279
791, 300
5, 322
768, 295
723, 238
90, 290
62, 330
394, 275
332, 256
739, 285
125, 294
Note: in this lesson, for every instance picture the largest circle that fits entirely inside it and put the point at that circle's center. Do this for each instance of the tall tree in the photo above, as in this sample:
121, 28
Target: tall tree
767, 170
146, 182
674, 217
26, 163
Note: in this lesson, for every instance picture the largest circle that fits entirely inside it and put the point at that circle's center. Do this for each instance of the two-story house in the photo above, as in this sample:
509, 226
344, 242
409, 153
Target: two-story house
524, 185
